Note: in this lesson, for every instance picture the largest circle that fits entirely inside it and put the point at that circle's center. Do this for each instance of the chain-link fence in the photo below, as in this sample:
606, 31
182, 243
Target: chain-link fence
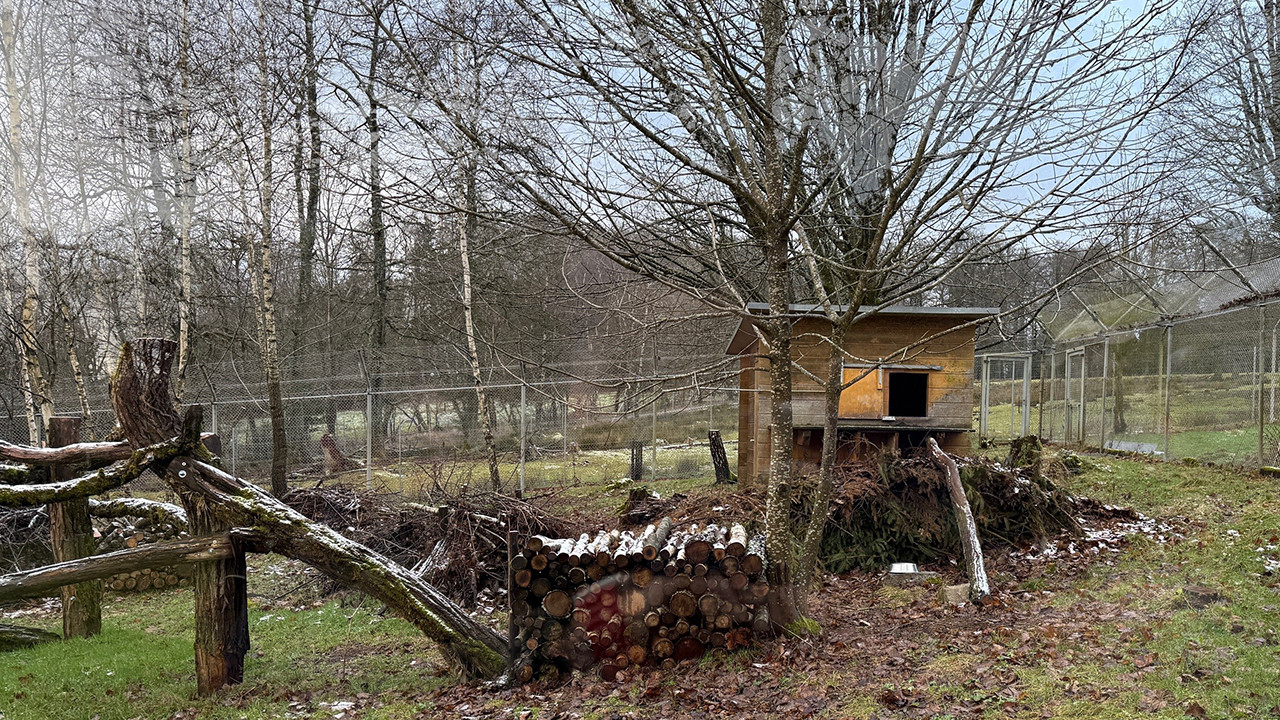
397, 430
1202, 387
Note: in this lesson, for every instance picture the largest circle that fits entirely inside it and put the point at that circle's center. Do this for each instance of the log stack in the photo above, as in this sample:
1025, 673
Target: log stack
150, 579
621, 598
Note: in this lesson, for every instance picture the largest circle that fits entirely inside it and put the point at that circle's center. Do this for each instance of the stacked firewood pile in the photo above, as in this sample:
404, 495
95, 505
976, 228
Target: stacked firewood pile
122, 533
619, 599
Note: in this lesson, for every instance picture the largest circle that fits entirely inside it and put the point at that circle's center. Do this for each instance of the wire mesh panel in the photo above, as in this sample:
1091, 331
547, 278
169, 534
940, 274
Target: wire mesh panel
1214, 387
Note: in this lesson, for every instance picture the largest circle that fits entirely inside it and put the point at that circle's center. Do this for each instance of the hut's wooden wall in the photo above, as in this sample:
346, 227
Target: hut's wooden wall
878, 338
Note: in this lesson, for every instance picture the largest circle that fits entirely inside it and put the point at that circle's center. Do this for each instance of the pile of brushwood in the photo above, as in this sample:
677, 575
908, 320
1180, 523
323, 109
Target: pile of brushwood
897, 507
24, 539
456, 543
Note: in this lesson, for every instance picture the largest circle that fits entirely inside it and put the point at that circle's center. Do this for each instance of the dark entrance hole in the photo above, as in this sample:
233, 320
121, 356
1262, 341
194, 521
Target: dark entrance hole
908, 394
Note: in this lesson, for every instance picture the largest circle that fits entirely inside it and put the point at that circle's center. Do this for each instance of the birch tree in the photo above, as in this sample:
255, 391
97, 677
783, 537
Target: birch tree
29, 233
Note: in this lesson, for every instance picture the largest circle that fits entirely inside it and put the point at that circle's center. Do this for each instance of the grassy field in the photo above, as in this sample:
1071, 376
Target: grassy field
1212, 417
1113, 639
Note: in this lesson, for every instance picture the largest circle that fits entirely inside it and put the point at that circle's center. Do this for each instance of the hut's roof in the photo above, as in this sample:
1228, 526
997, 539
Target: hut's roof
745, 333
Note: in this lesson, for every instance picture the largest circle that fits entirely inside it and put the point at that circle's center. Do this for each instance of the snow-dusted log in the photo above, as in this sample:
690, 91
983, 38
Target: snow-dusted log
131, 507
969, 542
74, 454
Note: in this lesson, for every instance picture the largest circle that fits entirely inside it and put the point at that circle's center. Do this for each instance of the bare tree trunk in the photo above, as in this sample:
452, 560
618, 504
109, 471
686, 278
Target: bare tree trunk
376, 229
270, 348
22, 213
311, 210
73, 357
184, 205
466, 228
783, 601
28, 401
807, 559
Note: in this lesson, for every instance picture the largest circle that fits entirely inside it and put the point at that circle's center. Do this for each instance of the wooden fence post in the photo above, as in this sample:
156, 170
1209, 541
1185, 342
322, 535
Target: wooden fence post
72, 536
221, 590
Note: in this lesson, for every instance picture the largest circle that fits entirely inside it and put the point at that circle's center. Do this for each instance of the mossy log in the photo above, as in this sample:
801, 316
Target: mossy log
473, 648
16, 637
94, 483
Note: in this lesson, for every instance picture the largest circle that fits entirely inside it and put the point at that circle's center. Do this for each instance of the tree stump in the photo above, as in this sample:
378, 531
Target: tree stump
72, 535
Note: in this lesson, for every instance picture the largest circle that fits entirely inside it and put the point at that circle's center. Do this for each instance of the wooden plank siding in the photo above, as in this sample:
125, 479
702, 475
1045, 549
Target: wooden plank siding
877, 339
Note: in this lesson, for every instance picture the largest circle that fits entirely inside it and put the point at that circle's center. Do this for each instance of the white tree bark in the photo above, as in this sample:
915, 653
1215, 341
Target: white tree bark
22, 213
971, 544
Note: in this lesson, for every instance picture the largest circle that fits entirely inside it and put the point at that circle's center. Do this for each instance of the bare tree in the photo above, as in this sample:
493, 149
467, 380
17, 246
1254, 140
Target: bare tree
834, 153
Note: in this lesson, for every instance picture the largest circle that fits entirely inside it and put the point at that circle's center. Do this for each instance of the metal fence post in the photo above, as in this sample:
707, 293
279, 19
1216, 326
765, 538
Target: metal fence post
368, 437
523, 389
1102, 417
1168, 383
984, 401
1026, 396
233, 450
213, 417
653, 411
1257, 354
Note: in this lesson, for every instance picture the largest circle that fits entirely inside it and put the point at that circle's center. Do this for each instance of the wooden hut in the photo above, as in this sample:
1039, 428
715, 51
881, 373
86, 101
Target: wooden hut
911, 389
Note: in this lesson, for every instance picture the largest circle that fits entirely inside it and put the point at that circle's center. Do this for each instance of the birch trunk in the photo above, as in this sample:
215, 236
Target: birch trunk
466, 227
376, 230
28, 402
270, 347
979, 587
22, 213
184, 206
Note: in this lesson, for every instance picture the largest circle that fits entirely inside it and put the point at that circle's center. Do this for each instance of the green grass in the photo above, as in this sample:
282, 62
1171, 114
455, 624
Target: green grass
142, 665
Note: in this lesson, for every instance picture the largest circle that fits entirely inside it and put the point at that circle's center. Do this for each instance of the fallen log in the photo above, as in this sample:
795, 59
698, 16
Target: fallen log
473, 648
969, 541
46, 580
144, 409
16, 637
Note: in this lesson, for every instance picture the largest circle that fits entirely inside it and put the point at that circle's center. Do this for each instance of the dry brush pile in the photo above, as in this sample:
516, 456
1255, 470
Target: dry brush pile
455, 543
897, 509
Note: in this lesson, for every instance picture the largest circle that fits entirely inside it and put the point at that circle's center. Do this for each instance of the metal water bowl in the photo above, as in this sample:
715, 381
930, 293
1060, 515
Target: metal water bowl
903, 569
